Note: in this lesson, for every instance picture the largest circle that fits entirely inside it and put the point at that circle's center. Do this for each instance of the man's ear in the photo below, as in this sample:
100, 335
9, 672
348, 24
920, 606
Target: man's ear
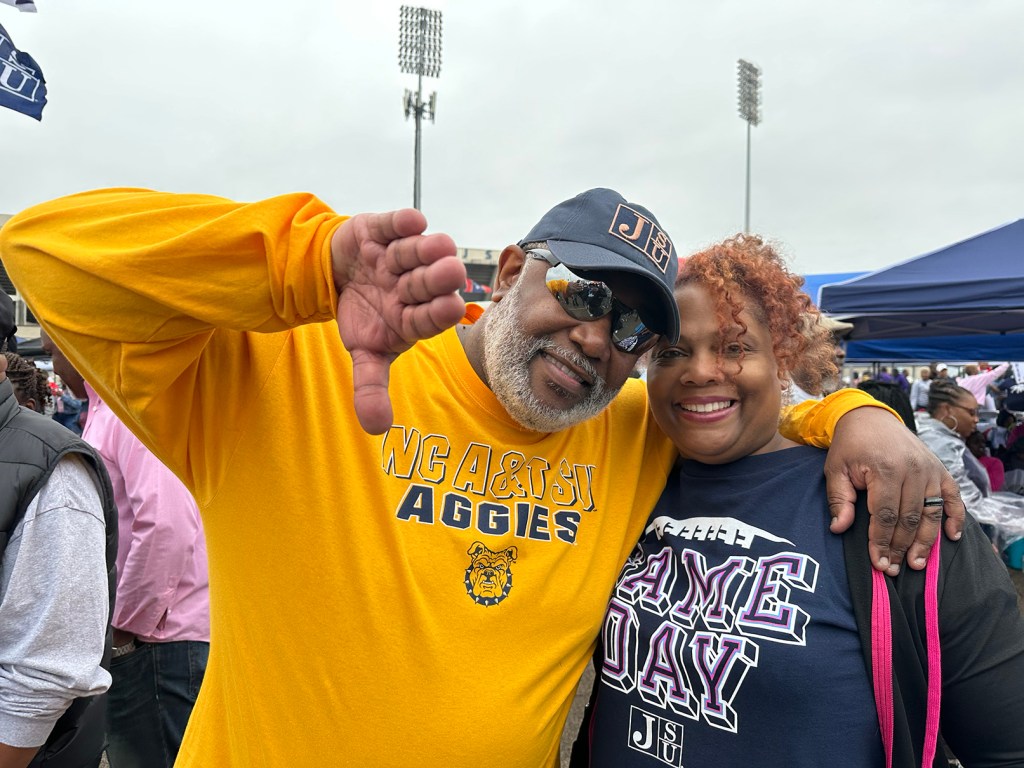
510, 265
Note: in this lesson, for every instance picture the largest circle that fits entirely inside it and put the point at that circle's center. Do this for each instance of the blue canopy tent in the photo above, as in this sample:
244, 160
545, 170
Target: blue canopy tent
814, 282
961, 302
936, 348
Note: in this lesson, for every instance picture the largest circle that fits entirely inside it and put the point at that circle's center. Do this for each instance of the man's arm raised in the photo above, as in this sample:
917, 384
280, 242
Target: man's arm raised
395, 287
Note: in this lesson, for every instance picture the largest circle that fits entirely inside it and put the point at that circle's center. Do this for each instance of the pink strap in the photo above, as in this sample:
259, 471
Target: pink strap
931, 620
881, 659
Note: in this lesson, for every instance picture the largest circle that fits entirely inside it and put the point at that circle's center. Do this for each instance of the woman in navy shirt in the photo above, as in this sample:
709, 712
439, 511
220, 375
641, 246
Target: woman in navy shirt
741, 632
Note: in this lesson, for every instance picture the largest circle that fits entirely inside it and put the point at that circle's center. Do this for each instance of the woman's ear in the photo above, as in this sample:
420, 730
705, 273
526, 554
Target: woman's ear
510, 265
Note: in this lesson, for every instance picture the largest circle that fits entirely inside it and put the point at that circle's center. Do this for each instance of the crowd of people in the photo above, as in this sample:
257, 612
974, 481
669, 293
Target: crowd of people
416, 570
65, 638
974, 422
992, 386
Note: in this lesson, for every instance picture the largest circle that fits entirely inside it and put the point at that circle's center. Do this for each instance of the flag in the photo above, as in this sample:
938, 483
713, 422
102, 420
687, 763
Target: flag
22, 87
21, 5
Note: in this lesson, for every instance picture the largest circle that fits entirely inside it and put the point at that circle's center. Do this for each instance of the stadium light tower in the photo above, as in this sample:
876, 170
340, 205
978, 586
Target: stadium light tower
750, 110
419, 53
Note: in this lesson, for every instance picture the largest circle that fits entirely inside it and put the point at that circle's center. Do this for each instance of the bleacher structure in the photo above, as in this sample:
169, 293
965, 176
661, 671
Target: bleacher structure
481, 269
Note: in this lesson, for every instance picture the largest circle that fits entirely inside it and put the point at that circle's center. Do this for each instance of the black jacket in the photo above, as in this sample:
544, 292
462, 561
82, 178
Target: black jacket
31, 445
980, 637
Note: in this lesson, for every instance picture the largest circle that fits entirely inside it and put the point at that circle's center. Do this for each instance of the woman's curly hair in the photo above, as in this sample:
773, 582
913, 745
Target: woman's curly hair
746, 268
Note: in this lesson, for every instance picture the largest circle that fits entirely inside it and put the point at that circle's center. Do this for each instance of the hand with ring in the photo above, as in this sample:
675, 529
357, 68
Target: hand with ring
910, 494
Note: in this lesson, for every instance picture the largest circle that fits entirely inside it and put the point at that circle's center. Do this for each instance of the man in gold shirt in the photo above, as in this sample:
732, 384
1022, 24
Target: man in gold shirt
412, 569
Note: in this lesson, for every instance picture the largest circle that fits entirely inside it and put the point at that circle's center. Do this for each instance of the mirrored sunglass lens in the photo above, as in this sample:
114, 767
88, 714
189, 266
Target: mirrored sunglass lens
582, 299
631, 334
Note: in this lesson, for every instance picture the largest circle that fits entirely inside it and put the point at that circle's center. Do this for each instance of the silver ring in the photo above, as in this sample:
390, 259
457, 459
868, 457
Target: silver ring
932, 501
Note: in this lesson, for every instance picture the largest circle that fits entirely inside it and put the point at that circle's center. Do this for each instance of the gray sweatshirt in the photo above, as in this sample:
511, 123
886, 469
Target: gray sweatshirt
53, 606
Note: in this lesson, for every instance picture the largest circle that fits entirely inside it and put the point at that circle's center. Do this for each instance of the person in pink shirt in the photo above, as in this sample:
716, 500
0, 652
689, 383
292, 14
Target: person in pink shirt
993, 467
977, 382
162, 612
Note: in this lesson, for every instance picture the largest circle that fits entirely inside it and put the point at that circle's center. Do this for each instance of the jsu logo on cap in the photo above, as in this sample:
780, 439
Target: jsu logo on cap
634, 228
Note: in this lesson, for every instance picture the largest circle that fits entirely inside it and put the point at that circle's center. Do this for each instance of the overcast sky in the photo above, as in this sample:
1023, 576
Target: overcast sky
889, 128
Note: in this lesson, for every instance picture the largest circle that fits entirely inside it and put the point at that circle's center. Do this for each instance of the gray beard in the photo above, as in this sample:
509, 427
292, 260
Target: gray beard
508, 353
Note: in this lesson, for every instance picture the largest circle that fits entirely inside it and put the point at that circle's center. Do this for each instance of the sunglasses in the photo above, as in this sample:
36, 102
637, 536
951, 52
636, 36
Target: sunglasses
587, 300
972, 411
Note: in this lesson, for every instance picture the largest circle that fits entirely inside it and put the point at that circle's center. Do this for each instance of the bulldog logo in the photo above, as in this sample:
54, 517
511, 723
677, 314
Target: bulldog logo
489, 575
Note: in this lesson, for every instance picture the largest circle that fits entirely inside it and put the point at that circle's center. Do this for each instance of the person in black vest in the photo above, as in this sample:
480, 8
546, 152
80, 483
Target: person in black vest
58, 539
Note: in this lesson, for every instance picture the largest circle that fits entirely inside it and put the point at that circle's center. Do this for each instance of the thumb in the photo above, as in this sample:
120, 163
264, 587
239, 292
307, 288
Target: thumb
370, 376
841, 498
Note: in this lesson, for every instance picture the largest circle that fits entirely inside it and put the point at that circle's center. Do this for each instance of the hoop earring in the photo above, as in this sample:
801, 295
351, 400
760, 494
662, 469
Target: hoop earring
956, 422
787, 394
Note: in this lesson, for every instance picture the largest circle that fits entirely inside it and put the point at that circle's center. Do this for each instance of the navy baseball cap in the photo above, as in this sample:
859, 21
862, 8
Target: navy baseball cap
599, 229
8, 341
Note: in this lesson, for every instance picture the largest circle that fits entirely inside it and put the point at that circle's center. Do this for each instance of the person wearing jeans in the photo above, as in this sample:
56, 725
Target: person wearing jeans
155, 687
162, 613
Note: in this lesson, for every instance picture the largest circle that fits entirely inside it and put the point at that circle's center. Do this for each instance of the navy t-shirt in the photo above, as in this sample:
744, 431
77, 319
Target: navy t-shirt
730, 639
